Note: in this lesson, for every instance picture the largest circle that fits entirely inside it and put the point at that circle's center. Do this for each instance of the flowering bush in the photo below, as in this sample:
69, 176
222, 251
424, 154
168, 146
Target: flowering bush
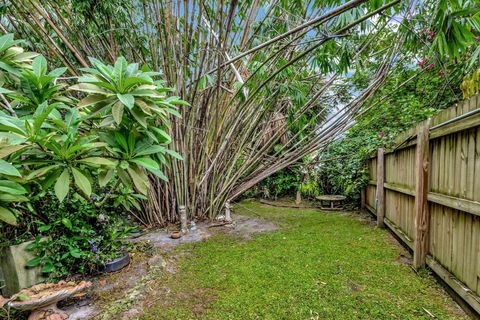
77, 239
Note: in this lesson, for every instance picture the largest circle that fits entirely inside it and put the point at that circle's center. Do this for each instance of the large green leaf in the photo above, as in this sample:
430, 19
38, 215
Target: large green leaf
139, 116
105, 177
119, 69
8, 150
140, 179
162, 135
159, 174
34, 262
6, 41
39, 66
127, 99
91, 100
12, 187
117, 112
89, 88
147, 163
6, 197
8, 169
48, 267
149, 150
7, 216
99, 161
62, 185
174, 154
40, 172
82, 181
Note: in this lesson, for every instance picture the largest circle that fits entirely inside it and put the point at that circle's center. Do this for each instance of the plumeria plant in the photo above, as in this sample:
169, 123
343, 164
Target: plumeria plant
116, 131
96, 139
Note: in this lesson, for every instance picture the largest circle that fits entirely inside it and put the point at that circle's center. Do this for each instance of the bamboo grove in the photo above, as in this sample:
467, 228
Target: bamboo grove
264, 79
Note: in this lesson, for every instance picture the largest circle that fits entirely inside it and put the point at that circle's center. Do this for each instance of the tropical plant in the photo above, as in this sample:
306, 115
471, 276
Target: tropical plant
13, 57
37, 86
76, 238
10, 192
48, 141
241, 64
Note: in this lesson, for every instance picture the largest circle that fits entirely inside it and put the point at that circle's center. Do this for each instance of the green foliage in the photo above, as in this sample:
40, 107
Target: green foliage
471, 84
403, 108
62, 159
456, 22
50, 141
310, 188
37, 86
77, 238
12, 58
280, 184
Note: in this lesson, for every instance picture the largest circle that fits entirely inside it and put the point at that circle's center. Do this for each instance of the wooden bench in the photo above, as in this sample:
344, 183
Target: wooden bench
333, 201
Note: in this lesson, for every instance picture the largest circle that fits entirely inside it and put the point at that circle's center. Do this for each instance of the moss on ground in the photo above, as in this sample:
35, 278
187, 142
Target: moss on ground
316, 266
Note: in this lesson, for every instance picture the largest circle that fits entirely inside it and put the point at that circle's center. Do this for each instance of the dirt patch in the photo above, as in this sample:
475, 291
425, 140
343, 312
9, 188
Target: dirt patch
405, 258
355, 287
108, 288
242, 226
124, 294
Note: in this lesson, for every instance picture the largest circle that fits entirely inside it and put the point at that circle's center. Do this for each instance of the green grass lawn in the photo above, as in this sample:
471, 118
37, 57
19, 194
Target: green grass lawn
316, 266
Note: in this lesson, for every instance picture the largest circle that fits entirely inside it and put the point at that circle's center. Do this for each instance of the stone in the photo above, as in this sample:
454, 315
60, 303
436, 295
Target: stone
16, 276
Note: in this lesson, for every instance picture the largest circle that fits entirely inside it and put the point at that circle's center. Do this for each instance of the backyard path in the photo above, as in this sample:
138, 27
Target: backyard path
315, 265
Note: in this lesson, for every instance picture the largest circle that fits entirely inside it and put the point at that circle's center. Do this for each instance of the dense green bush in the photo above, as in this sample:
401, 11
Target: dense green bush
281, 184
67, 151
78, 237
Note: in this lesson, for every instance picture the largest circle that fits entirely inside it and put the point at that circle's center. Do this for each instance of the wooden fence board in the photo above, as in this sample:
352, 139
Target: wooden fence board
453, 237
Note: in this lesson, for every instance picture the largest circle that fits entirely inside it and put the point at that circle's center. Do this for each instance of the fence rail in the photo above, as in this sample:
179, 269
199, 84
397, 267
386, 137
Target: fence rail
427, 191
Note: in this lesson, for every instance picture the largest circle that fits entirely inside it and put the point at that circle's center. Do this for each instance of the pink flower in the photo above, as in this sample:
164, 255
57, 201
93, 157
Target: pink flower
429, 66
422, 62
382, 134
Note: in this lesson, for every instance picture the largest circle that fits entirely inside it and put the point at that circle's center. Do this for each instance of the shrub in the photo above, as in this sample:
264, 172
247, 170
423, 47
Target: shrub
77, 147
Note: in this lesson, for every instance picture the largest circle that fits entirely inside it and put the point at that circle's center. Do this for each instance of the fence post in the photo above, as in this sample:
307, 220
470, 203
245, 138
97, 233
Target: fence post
380, 188
363, 197
422, 218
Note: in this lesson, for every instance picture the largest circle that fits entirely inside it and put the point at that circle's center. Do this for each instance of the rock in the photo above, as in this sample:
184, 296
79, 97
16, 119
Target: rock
12, 262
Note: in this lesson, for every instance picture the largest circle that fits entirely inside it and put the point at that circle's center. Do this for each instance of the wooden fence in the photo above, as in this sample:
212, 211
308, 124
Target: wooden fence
427, 191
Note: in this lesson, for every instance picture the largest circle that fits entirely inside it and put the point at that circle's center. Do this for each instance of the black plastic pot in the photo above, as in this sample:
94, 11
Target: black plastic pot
118, 263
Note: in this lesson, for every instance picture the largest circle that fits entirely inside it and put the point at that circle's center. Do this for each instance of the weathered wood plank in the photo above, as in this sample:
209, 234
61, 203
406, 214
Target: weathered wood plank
363, 198
399, 233
380, 188
422, 218
461, 125
463, 291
